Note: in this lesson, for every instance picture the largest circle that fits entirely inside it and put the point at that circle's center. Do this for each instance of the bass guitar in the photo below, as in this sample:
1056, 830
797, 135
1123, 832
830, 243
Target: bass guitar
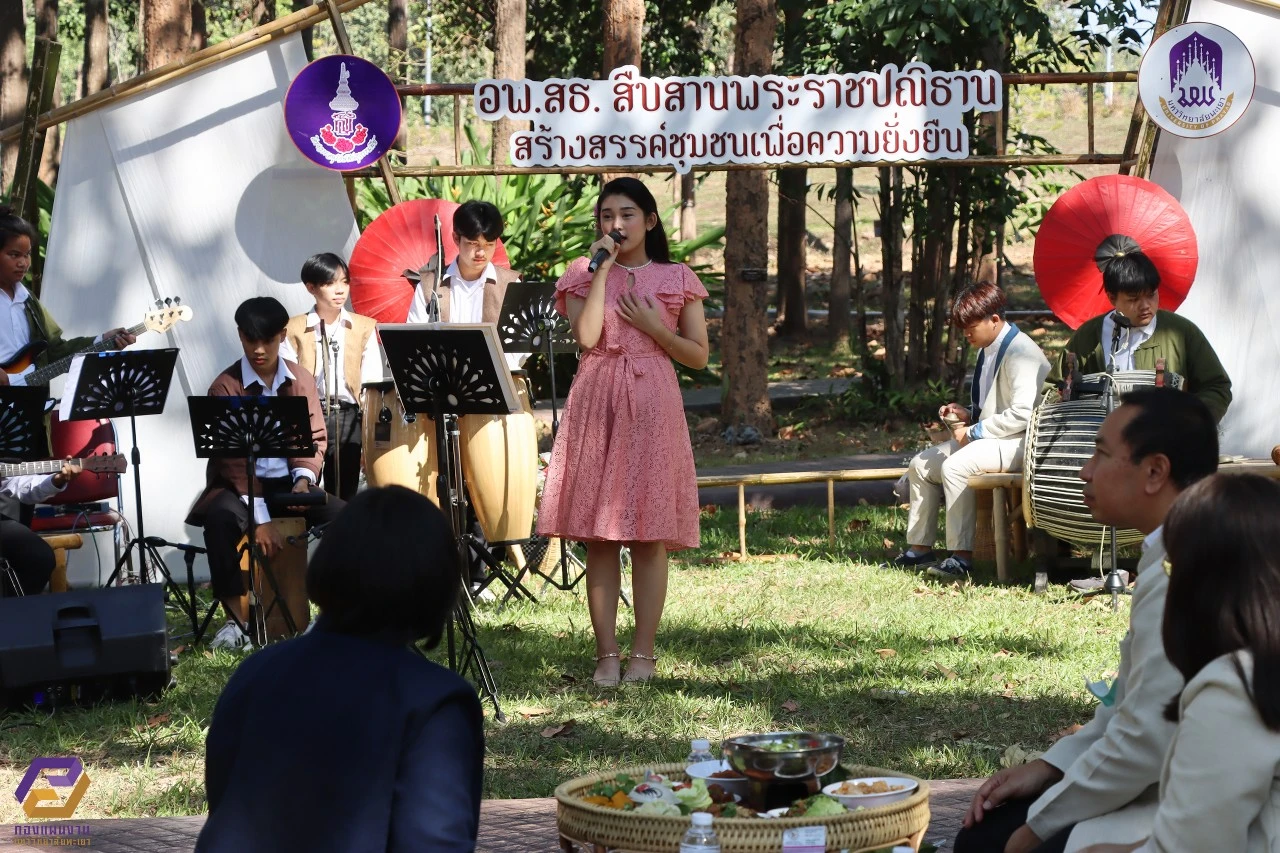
103, 463
163, 317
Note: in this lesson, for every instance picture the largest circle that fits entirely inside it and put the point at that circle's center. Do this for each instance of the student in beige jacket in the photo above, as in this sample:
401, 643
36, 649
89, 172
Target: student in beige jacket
1100, 784
987, 437
1220, 786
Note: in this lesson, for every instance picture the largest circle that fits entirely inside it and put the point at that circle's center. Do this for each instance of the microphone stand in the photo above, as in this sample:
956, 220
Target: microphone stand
433, 304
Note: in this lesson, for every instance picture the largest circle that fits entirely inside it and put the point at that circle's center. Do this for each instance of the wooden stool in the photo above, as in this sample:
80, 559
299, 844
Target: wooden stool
289, 568
61, 543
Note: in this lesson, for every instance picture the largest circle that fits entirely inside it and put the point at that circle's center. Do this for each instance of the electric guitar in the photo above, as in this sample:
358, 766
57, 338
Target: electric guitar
103, 463
165, 315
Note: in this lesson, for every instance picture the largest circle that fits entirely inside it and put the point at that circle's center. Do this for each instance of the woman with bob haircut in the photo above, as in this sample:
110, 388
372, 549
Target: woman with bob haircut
347, 738
1220, 787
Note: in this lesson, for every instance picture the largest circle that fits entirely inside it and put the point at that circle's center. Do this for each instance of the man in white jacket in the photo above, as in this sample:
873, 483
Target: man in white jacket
987, 436
1101, 783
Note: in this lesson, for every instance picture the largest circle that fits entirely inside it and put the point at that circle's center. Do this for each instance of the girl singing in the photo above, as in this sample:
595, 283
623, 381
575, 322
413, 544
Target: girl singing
622, 467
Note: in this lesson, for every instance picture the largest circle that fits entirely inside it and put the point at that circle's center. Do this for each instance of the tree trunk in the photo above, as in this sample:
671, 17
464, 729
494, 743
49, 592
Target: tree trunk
891, 257
688, 206
51, 157
398, 54
994, 57
13, 81
95, 74
262, 11
841, 269
623, 29
307, 47
166, 31
745, 334
509, 49
793, 315
942, 219
199, 26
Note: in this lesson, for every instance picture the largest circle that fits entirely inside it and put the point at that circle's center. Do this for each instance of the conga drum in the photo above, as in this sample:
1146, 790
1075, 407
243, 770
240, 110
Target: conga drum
398, 451
500, 462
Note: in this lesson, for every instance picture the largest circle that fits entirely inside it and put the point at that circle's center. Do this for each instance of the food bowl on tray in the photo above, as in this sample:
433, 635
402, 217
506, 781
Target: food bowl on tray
871, 791
784, 756
735, 784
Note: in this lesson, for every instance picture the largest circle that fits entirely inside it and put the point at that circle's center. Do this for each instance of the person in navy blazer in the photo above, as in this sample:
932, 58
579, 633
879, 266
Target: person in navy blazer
347, 739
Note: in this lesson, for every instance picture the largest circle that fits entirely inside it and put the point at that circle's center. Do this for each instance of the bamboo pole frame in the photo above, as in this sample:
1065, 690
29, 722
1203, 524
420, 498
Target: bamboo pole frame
187, 65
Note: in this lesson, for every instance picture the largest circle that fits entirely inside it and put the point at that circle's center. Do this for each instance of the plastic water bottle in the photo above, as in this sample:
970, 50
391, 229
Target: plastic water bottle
701, 751
700, 838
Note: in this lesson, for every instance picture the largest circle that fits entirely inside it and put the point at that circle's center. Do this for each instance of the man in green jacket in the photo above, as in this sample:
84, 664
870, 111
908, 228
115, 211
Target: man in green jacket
1131, 282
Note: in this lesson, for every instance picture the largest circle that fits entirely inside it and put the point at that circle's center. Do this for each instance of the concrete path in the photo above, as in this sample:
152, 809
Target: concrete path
506, 826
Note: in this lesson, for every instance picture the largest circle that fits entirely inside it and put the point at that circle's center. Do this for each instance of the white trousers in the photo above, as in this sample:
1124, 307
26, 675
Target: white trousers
944, 470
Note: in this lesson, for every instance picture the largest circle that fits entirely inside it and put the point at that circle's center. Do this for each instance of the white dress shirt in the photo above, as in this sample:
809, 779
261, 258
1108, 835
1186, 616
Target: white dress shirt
1130, 340
16, 333
466, 303
30, 488
274, 467
370, 361
991, 353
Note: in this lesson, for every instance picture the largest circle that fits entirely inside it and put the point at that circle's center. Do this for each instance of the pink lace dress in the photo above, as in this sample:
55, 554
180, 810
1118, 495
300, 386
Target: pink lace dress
622, 466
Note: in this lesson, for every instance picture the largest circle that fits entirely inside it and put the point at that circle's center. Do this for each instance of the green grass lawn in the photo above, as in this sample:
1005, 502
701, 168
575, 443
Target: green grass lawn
926, 678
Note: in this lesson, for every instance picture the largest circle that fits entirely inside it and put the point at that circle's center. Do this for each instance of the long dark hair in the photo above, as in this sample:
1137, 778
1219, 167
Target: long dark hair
12, 225
1223, 546
655, 239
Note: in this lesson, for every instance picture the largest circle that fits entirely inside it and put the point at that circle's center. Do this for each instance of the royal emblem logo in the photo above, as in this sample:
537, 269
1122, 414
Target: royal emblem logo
52, 802
1196, 80
342, 112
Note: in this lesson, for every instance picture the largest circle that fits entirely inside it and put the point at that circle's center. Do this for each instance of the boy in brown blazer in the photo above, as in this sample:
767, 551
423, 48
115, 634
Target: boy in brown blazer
222, 509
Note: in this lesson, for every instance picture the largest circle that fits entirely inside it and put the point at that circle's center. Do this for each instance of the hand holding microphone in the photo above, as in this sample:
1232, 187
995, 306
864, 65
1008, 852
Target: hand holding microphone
606, 251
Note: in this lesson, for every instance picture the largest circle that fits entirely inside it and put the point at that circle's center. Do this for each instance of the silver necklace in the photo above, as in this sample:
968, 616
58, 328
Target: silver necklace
633, 269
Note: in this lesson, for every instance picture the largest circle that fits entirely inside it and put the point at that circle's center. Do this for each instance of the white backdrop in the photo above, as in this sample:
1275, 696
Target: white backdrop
193, 190
1229, 185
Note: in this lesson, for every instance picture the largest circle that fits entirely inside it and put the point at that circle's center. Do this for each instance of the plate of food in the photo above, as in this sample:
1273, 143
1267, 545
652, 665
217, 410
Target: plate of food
871, 791
819, 805
719, 773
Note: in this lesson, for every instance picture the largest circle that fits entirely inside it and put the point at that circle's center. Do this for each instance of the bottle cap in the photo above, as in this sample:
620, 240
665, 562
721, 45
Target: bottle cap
701, 819
701, 745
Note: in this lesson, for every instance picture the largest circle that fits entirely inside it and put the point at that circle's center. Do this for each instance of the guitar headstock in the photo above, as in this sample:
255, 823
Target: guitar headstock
166, 313
104, 463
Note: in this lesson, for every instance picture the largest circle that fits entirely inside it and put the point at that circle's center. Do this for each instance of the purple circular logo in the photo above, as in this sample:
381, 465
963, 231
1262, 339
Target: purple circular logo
342, 112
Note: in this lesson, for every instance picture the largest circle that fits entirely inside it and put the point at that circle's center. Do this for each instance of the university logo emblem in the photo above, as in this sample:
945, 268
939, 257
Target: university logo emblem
342, 112
1196, 80
53, 802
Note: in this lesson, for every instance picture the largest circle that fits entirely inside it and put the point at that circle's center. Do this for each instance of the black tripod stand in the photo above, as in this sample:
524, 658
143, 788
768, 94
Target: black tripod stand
530, 323
448, 371
253, 428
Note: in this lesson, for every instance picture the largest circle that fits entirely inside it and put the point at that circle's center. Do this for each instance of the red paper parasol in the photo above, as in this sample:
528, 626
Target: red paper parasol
402, 238
1082, 221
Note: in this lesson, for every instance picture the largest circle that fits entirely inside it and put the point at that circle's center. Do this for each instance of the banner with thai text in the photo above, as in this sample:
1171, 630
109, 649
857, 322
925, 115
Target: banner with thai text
912, 113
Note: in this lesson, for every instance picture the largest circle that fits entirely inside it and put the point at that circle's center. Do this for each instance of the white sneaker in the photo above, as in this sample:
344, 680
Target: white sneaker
231, 637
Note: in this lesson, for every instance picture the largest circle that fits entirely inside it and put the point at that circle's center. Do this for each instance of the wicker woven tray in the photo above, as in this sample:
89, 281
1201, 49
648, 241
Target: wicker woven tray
902, 822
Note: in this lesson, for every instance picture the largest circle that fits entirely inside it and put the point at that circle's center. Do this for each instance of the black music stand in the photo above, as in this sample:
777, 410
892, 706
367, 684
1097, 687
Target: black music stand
446, 371
22, 438
252, 428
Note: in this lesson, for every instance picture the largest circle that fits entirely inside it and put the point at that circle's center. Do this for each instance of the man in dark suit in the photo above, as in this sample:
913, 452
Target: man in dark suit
222, 509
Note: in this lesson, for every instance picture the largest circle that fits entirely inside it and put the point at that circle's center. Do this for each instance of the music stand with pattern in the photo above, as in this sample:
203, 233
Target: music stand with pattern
22, 438
253, 428
445, 371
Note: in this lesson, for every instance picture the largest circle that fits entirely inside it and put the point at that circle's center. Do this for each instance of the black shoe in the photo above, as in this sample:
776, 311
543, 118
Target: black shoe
951, 568
907, 561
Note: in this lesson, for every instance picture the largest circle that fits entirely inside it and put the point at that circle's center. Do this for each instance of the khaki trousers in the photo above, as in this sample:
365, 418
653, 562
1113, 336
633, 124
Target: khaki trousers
944, 470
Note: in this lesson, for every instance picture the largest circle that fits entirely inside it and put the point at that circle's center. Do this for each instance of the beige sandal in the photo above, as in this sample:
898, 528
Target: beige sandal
628, 677
605, 682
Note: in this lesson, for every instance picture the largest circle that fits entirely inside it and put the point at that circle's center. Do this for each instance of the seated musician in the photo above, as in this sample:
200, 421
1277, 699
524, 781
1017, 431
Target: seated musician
340, 349
30, 557
26, 321
1131, 282
222, 509
986, 438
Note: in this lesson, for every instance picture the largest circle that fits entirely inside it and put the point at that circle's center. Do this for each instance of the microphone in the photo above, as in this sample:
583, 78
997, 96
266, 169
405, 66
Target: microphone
1118, 321
603, 254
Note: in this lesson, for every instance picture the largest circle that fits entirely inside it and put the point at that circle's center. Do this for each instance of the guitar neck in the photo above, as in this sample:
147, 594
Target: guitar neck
54, 369
48, 466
